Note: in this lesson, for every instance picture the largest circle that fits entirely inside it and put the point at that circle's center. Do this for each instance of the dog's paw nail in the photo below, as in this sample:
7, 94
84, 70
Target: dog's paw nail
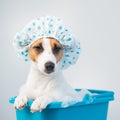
14, 107
21, 106
32, 110
41, 109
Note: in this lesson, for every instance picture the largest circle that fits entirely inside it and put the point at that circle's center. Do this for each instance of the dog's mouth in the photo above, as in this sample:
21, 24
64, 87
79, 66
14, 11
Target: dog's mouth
49, 72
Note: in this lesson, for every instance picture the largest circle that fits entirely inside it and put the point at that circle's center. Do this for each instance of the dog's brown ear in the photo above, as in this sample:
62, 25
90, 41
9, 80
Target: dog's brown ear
36, 49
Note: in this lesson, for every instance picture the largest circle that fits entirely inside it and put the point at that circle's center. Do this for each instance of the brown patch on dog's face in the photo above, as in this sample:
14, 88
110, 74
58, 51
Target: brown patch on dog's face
36, 49
57, 48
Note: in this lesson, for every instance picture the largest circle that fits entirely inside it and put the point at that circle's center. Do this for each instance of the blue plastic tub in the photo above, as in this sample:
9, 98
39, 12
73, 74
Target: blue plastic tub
80, 111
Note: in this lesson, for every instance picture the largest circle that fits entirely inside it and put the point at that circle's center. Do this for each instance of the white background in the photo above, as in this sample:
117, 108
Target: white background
96, 23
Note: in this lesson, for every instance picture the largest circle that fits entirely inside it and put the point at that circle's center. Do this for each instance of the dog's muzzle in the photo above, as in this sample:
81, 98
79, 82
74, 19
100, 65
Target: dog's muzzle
49, 67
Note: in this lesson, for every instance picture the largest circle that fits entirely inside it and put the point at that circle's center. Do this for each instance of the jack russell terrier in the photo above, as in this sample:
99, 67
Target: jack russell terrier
50, 47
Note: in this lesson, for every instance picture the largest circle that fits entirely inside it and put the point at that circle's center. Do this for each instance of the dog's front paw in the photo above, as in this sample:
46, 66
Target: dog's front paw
39, 104
20, 102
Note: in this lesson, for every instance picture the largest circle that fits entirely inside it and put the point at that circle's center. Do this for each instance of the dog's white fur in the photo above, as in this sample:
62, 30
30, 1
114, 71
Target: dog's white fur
44, 88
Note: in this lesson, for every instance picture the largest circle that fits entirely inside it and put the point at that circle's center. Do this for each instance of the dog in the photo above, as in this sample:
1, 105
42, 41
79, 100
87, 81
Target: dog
45, 82
49, 45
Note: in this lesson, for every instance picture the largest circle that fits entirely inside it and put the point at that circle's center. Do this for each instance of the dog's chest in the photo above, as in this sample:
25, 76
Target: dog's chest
41, 85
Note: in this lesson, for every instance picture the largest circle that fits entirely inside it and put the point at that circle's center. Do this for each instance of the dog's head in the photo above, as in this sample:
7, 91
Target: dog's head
47, 54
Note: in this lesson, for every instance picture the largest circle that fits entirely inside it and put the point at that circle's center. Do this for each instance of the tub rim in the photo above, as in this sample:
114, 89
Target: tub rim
102, 96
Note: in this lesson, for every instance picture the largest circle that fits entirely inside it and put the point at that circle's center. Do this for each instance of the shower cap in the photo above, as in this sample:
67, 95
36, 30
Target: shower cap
47, 27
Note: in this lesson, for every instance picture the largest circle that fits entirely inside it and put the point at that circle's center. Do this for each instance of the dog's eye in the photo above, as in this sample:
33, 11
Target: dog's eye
56, 49
38, 48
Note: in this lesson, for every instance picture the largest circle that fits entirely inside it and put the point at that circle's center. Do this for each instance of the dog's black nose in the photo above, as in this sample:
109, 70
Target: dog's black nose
49, 67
